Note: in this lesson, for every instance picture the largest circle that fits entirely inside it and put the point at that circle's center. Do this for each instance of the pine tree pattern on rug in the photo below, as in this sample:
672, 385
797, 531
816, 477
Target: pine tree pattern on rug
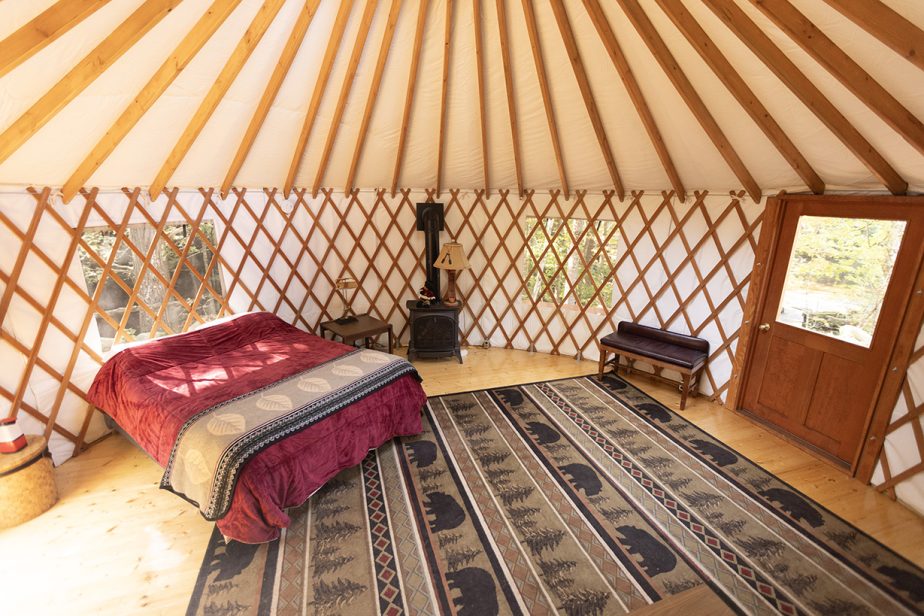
575, 497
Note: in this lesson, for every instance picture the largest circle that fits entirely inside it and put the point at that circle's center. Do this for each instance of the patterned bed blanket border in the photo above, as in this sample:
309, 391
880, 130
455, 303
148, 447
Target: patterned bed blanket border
213, 446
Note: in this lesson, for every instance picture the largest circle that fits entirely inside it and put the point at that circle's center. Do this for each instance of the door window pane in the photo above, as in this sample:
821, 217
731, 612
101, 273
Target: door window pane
838, 273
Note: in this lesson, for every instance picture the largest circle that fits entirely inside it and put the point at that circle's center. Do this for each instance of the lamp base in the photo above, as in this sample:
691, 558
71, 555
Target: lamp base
345, 319
450, 298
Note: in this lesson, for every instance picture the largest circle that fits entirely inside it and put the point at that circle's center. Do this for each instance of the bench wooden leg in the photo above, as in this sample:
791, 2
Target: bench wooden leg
684, 390
696, 377
603, 354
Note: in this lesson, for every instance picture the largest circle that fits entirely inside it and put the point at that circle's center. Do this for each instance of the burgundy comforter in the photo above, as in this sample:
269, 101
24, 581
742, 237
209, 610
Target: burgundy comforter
151, 390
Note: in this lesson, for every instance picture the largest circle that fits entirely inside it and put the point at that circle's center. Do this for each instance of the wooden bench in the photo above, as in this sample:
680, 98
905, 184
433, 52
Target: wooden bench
662, 349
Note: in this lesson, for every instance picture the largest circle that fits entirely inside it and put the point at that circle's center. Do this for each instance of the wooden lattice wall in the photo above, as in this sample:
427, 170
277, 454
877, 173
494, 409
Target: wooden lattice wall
900, 470
682, 266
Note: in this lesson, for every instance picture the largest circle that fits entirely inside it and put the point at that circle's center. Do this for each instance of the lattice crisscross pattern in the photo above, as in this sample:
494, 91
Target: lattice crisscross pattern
680, 266
683, 267
902, 455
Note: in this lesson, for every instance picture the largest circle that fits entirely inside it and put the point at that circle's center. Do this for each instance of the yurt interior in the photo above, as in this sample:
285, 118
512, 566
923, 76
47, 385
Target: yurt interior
573, 307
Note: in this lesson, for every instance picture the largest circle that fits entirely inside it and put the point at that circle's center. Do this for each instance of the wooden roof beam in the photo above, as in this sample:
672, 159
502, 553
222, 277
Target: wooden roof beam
848, 72
409, 94
577, 65
443, 88
320, 86
252, 37
269, 94
881, 21
358, 46
87, 70
635, 93
387, 38
544, 89
479, 82
44, 29
670, 66
197, 37
723, 69
500, 5
800, 85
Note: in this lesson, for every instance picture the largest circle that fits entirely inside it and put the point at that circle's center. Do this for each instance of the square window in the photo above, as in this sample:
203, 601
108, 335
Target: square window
151, 289
570, 262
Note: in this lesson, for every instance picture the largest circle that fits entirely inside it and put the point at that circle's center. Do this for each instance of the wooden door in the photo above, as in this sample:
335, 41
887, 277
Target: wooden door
839, 281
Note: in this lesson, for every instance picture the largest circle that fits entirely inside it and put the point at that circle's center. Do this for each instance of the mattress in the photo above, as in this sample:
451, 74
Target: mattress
155, 389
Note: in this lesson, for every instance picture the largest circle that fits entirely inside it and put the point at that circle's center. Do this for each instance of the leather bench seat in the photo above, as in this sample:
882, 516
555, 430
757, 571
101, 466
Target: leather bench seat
663, 349
684, 351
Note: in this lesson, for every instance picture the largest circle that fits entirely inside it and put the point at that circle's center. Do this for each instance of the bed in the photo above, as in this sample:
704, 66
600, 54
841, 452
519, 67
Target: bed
168, 391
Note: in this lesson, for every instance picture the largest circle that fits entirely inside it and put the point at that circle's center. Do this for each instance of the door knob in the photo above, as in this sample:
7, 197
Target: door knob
764, 327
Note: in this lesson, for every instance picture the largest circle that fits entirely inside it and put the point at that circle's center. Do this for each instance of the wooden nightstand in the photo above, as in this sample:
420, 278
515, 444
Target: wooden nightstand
364, 327
434, 330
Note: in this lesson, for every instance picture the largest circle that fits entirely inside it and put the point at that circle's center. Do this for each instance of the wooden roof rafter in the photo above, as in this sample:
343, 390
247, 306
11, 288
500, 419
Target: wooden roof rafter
848, 72
252, 37
44, 29
479, 82
387, 38
84, 73
686, 90
185, 51
881, 21
358, 46
444, 86
409, 95
608, 38
544, 89
500, 6
800, 85
297, 35
320, 86
577, 65
749, 101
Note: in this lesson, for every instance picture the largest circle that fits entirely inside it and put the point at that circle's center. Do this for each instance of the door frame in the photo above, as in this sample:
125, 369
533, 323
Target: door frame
864, 460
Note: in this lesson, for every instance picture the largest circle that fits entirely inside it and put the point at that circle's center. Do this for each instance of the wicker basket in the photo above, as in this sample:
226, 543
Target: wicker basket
27, 483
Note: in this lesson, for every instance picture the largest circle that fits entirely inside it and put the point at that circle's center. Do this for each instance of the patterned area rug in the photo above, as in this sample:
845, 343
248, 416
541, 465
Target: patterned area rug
570, 496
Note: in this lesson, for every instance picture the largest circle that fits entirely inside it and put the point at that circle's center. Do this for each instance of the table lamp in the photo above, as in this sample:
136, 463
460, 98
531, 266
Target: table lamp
452, 259
346, 282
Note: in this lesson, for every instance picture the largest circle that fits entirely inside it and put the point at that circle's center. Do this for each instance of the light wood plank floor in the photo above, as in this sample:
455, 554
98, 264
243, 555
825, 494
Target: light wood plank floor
116, 544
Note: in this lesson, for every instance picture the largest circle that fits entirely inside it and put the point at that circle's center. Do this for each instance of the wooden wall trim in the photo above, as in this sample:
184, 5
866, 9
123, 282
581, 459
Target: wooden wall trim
773, 214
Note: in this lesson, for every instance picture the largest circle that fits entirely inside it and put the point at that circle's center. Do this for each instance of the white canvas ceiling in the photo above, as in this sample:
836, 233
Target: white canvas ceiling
51, 155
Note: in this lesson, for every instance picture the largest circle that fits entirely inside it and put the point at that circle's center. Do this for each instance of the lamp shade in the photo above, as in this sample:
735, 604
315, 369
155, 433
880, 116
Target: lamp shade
452, 257
346, 283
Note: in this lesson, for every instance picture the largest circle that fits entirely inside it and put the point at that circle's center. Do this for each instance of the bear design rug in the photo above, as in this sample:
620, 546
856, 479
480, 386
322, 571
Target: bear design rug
574, 497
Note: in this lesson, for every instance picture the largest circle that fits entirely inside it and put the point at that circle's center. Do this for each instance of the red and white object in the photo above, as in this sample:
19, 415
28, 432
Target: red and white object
11, 437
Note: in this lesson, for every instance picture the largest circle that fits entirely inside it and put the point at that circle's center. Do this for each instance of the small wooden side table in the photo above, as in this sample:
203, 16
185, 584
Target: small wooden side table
27, 483
364, 327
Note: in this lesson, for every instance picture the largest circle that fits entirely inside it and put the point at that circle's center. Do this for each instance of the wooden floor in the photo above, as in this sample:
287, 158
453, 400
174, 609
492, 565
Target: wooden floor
116, 544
